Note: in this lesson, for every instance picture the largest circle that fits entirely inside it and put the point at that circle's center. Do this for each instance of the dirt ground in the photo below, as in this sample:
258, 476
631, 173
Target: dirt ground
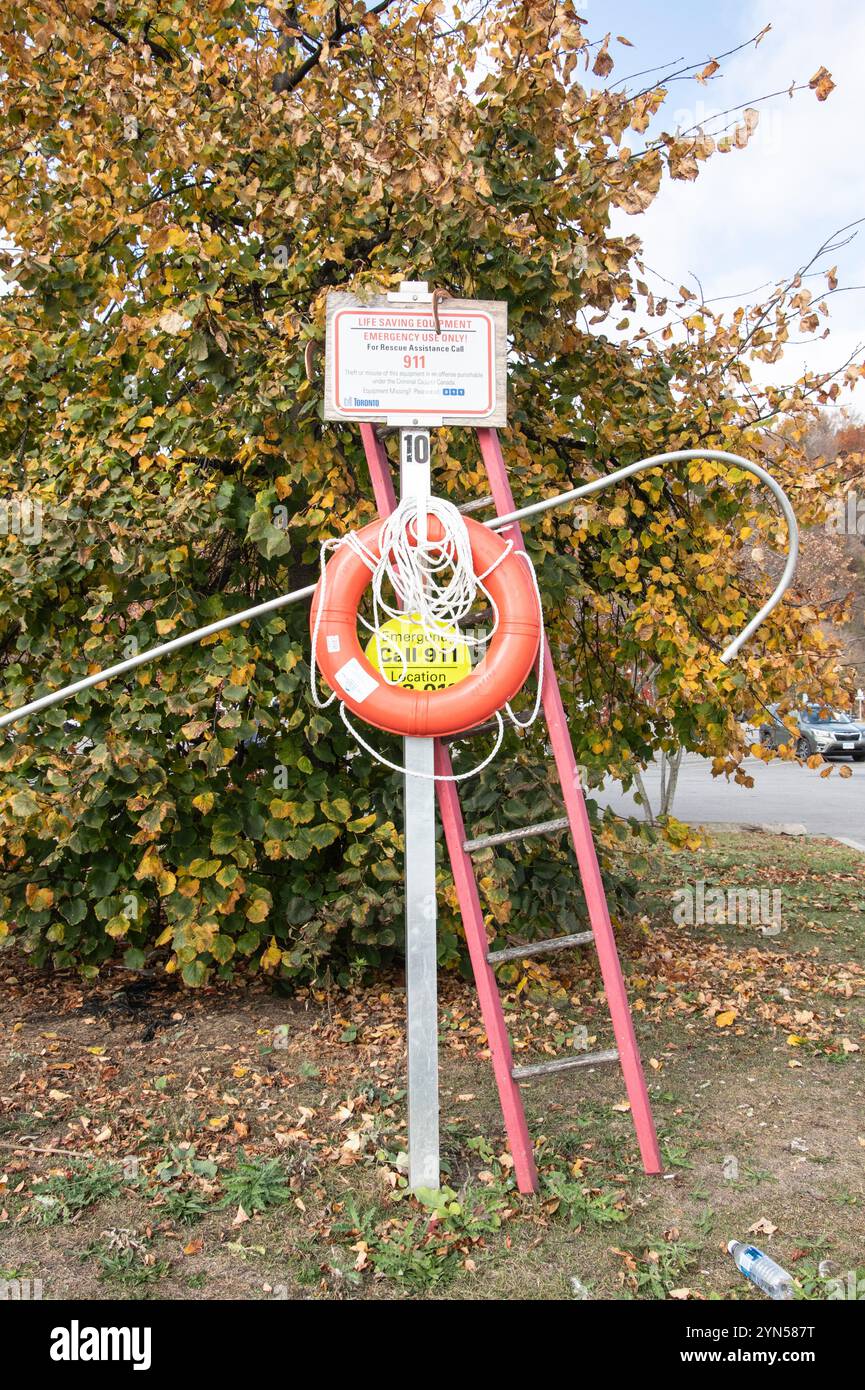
231, 1143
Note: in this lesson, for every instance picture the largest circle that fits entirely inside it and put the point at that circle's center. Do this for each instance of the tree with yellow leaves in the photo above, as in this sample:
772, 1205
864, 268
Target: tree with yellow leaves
180, 186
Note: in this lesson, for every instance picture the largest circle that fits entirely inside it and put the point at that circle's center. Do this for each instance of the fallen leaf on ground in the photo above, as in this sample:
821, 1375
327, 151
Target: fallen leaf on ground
763, 1227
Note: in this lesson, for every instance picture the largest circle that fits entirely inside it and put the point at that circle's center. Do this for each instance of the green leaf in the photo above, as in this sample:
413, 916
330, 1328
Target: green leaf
320, 836
194, 973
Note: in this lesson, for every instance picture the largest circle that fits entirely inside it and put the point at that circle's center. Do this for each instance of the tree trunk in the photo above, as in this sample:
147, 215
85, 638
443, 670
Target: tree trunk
669, 791
644, 797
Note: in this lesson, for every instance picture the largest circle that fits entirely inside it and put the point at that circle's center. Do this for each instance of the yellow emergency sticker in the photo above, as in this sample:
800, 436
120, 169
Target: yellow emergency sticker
429, 661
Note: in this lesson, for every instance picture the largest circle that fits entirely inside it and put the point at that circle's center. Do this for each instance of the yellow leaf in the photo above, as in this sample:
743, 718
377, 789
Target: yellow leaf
725, 1019
38, 898
166, 882
272, 956
149, 866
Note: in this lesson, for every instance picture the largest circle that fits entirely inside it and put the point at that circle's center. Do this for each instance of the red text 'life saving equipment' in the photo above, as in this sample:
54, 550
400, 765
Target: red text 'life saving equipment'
427, 713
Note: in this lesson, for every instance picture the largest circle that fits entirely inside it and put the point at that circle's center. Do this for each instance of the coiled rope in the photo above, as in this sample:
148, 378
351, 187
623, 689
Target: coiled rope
433, 583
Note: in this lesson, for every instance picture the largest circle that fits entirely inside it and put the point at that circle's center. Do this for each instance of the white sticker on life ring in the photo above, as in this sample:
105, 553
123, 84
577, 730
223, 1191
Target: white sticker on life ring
332, 641
355, 681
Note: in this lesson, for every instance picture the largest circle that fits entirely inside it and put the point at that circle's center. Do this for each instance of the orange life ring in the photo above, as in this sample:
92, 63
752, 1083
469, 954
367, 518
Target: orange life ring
427, 713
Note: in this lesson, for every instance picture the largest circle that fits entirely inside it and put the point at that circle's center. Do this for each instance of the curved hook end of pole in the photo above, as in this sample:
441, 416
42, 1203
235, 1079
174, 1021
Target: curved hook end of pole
731, 651
723, 456
683, 456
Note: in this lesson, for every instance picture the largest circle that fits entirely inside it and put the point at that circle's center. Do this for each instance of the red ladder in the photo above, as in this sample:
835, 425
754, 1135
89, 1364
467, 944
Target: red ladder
484, 960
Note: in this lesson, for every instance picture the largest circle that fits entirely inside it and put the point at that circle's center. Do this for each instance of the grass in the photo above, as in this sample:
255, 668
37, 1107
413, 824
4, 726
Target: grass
257, 1185
63, 1196
270, 1172
127, 1269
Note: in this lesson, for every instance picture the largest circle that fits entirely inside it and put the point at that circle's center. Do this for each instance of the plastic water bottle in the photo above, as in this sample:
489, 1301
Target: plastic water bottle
761, 1270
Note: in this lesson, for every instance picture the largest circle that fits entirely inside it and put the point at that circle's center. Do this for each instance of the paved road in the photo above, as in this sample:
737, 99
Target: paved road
782, 792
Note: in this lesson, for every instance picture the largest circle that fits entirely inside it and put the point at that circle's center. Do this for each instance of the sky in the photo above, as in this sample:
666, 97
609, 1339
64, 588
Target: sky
753, 216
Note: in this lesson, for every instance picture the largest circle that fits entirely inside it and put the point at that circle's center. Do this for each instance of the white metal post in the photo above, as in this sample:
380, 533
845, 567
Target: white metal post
420, 893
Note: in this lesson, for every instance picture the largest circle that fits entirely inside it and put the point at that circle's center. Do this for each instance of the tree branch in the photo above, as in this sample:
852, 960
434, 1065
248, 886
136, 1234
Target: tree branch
156, 49
288, 81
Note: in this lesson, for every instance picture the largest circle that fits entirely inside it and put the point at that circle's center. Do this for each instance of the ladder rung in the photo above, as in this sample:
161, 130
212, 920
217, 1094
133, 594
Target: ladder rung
544, 827
540, 948
586, 1059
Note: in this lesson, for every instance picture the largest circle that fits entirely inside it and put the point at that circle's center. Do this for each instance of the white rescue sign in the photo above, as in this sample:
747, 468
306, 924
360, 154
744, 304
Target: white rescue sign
387, 361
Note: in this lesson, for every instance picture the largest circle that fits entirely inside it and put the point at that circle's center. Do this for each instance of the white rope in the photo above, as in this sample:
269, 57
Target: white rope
434, 584
428, 776
539, 694
332, 544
